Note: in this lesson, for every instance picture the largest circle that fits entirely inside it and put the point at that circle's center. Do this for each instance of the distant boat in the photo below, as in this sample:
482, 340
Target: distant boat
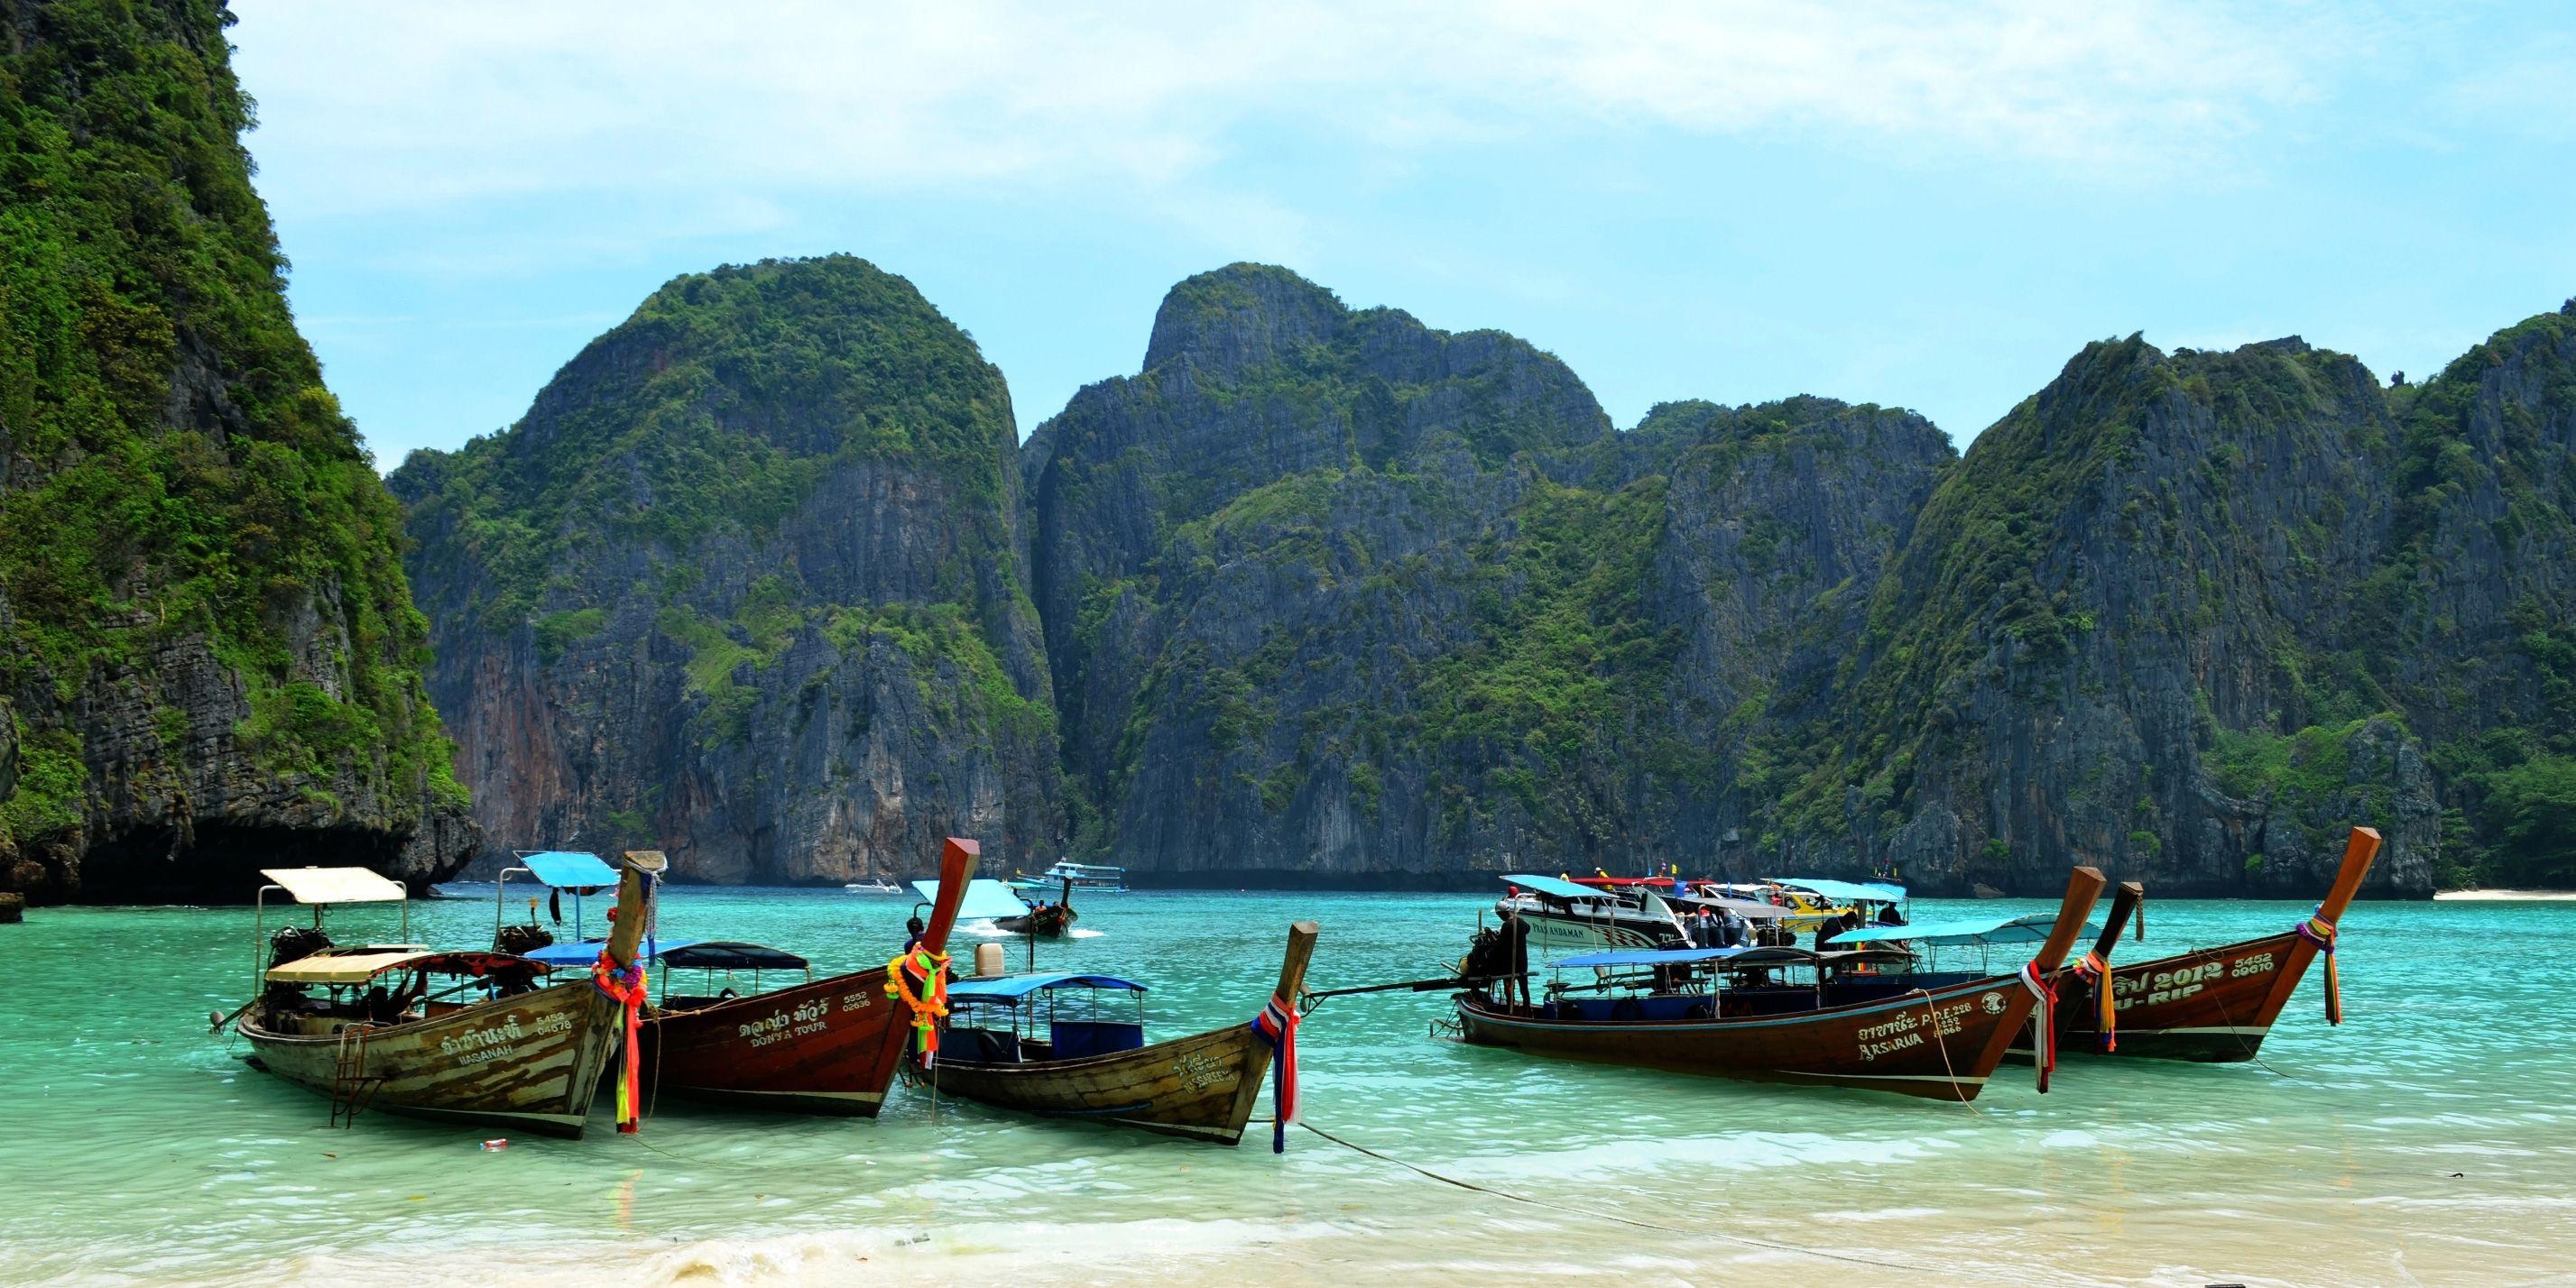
1020, 1042
1095, 877
1043, 920
1571, 917
877, 885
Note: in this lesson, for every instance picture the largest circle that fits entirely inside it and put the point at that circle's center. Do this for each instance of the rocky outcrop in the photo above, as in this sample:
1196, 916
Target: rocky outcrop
1332, 596
743, 586
207, 650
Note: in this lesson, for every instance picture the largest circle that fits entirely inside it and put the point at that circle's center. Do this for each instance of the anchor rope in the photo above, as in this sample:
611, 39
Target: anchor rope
1603, 1215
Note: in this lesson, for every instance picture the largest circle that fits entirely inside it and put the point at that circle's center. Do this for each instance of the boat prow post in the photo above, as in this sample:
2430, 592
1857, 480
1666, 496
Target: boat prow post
958, 858
2318, 933
2083, 889
637, 883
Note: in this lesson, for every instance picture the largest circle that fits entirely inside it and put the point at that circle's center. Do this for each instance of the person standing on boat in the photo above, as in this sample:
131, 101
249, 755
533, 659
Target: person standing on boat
912, 932
1515, 957
1830, 927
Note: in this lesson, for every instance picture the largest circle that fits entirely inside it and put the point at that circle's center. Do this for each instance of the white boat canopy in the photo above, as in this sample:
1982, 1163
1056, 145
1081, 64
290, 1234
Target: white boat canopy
985, 898
336, 885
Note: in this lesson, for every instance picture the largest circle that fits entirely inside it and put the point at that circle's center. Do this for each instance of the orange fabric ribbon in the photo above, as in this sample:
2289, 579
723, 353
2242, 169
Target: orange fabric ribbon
2107, 1019
626, 988
930, 1004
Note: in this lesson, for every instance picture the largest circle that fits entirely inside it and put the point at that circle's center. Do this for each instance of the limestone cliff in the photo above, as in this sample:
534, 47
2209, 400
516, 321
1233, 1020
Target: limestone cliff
743, 585
1330, 594
1333, 596
208, 656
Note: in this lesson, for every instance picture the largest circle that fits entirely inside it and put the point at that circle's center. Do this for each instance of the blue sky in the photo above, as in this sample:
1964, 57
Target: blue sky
1928, 206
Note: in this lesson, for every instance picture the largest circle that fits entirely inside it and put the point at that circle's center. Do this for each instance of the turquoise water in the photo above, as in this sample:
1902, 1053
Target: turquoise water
2426, 1140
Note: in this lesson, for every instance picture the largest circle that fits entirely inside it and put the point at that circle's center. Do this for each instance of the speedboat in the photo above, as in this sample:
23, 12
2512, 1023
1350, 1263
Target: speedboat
1093, 877
1564, 917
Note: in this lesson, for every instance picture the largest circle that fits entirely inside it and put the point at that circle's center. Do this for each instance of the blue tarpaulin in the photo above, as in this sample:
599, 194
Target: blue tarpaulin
584, 952
568, 869
1845, 891
1007, 988
1555, 886
2029, 929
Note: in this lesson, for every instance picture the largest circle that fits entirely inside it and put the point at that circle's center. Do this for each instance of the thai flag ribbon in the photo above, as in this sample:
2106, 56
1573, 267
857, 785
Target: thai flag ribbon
2043, 1017
1277, 1025
2106, 1019
2321, 932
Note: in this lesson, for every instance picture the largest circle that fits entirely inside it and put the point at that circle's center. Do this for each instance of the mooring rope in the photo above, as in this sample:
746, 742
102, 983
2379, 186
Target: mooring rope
1600, 1215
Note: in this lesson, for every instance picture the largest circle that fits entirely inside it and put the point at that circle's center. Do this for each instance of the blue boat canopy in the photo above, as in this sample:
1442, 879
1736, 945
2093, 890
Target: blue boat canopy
1555, 887
2030, 928
568, 868
1746, 955
1011, 988
584, 952
729, 954
1845, 891
985, 897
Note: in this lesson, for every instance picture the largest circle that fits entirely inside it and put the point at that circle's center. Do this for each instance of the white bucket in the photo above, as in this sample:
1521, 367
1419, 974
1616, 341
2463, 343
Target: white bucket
988, 960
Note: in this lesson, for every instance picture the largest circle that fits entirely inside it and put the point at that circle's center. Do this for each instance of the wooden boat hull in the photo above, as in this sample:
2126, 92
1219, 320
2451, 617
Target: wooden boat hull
1038, 925
2214, 1005
1942, 1044
1941, 1041
1202, 1086
532, 1062
825, 1047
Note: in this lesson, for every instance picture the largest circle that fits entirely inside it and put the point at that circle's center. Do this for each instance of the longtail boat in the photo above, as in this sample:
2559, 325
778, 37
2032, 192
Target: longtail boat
822, 1046
1864, 1021
363, 1025
2213, 1004
1043, 920
1022, 1042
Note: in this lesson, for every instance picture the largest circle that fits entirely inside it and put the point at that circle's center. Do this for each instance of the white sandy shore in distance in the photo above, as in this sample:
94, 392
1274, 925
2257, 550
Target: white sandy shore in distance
2554, 896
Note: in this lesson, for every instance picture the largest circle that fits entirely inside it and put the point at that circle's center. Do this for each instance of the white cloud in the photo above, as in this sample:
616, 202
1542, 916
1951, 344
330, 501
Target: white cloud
377, 107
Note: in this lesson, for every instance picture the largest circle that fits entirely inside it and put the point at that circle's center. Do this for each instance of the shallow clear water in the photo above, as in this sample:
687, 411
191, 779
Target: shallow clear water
2426, 1140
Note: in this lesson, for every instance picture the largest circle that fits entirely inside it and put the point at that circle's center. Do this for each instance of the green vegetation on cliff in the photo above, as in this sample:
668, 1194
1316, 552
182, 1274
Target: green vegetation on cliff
721, 403
172, 472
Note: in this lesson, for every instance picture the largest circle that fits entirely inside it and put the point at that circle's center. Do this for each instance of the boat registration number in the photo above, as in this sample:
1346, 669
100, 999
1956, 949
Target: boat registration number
807, 1018
2175, 985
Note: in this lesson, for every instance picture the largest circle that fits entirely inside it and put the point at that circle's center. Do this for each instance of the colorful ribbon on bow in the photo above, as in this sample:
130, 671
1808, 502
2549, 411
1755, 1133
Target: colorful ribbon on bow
2043, 1015
626, 988
930, 1004
2107, 1018
2321, 932
1277, 1025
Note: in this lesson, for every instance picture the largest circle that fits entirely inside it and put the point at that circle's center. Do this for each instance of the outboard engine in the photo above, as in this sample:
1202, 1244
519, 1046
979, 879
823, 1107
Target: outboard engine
295, 943
519, 940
